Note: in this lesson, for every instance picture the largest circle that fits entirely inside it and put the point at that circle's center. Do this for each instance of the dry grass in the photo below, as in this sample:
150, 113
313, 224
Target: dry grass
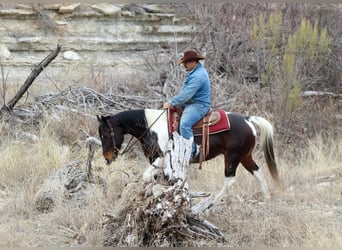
306, 214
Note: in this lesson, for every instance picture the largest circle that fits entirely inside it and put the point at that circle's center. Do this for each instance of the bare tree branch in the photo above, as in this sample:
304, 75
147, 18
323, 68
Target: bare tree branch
35, 72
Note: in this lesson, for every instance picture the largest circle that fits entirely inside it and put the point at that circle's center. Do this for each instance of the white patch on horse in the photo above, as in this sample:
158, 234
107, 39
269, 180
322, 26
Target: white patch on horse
152, 170
158, 124
258, 174
250, 124
228, 181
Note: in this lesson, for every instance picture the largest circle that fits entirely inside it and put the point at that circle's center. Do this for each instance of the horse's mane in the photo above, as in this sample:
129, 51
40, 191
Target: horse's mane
131, 118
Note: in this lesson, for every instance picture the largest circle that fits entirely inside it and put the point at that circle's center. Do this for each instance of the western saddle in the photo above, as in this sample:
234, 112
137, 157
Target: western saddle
201, 128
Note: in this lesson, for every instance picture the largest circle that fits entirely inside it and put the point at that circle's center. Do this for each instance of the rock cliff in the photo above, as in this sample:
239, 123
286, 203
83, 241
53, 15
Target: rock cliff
112, 37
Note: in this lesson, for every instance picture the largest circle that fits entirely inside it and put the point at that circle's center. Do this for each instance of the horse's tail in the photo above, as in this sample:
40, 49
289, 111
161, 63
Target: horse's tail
266, 134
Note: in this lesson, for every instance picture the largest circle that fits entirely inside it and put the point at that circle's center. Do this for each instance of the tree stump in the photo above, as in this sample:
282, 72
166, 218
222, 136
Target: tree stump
159, 214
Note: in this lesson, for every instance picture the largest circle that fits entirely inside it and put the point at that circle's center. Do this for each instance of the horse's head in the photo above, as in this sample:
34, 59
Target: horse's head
111, 137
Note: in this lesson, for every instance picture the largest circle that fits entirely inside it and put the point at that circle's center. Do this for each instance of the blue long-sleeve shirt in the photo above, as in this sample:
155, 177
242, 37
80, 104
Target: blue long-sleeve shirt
196, 88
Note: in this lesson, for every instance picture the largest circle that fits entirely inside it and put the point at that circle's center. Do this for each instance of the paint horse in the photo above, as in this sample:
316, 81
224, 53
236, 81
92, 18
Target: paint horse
151, 128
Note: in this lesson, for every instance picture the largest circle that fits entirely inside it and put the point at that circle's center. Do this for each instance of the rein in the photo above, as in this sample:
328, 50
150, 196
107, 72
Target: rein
129, 146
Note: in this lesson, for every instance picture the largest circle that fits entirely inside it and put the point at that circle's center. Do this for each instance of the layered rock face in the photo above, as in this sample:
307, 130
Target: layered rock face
110, 37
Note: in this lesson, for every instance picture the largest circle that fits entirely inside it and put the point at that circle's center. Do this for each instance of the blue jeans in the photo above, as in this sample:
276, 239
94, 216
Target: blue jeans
192, 113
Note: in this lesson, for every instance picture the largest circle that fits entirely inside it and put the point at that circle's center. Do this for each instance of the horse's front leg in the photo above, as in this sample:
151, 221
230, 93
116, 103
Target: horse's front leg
153, 170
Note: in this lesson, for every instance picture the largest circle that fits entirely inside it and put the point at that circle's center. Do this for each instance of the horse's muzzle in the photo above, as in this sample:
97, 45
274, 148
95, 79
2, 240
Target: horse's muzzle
110, 157
108, 162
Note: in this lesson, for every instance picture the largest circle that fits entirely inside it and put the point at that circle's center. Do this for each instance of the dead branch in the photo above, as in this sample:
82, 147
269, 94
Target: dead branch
35, 72
83, 98
319, 93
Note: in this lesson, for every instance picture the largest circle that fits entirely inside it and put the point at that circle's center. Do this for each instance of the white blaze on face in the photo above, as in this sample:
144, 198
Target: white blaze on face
159, 125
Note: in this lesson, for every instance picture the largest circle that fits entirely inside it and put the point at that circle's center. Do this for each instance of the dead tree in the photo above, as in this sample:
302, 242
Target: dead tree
35, 72
159, 213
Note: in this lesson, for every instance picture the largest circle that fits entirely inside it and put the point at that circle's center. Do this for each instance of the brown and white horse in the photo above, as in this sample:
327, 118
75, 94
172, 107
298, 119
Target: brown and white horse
151, 128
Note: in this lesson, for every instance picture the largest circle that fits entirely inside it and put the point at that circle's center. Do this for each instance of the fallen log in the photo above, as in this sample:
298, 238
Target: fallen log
73, 182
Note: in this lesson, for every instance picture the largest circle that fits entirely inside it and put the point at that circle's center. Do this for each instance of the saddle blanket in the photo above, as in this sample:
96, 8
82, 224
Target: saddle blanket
222, 125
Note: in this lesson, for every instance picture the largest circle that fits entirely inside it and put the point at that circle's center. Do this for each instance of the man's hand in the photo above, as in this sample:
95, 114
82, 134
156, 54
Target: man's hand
166, 105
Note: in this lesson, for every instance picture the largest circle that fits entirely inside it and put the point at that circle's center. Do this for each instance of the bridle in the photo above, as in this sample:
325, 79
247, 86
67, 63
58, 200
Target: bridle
129, 145
112, 135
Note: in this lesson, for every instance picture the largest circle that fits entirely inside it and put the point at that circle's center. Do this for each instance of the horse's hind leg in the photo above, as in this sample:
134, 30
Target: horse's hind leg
253, 168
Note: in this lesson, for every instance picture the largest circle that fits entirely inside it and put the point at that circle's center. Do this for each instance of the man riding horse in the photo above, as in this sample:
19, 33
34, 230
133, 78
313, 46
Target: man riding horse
194, 97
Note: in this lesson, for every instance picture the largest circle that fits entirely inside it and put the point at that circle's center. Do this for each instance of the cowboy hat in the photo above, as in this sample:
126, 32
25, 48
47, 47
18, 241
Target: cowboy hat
190, 55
